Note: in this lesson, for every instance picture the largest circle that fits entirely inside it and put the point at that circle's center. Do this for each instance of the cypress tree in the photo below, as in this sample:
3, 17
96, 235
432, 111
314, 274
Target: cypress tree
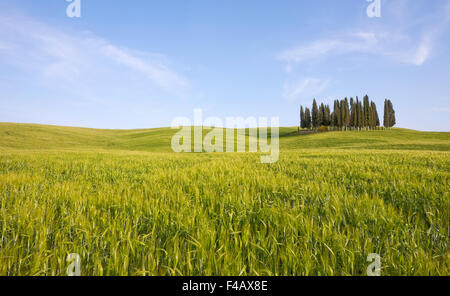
352, 112
324, 114
366, 111
375, 118
321, 115
386, 121
346, 117
339, 113
392, 120
336, 114
307, 118
302, 117
360, 115
315, 114
356, 115
327, 116
342, 108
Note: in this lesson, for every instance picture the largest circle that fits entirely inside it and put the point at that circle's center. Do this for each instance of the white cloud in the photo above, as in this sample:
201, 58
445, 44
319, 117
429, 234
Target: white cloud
304, 53
355, 42
373, 43
81, 60
401, 42
156, 72
423, 51
304, 88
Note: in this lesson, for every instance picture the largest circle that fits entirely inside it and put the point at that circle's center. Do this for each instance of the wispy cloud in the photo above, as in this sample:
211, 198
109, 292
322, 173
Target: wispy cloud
397, 41
304, 88
355, 42
58, 58
420, 55
159, 73
374, 43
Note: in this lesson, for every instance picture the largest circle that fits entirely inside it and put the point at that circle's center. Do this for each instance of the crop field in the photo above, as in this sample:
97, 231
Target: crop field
129, 206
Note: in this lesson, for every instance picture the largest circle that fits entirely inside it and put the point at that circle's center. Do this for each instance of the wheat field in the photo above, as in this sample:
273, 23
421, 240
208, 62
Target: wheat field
129, 206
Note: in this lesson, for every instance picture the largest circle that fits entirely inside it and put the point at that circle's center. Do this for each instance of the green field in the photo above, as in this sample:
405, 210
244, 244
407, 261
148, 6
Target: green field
129, 206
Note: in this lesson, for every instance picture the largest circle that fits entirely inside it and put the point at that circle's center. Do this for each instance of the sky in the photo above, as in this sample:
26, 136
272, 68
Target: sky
141, 64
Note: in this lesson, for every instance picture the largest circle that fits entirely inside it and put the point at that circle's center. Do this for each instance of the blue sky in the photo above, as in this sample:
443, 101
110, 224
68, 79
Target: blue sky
140, 64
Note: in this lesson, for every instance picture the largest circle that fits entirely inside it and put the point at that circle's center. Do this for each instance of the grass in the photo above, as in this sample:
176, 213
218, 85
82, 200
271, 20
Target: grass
129, 206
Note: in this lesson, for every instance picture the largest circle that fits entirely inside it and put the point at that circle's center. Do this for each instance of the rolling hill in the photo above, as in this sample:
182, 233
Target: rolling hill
44, 137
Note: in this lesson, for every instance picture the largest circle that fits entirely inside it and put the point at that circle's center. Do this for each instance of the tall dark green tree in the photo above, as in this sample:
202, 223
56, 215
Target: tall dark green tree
375, 118
386, 121
336, 114
302, 117
360, 115
342, 109
367, 112
321, 115
352, 112
315, 114
327, 116
307, 118
355, 116
345, 113
392, 119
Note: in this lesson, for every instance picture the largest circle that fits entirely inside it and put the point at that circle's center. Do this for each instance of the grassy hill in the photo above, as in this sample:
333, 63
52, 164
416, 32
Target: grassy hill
128, 205
44, 137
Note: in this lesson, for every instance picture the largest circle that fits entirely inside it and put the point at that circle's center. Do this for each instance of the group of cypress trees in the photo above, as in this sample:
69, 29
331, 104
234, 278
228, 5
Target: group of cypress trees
318, 117
353, 114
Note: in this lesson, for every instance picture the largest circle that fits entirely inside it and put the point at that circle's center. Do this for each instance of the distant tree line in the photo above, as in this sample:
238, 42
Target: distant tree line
353, 114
